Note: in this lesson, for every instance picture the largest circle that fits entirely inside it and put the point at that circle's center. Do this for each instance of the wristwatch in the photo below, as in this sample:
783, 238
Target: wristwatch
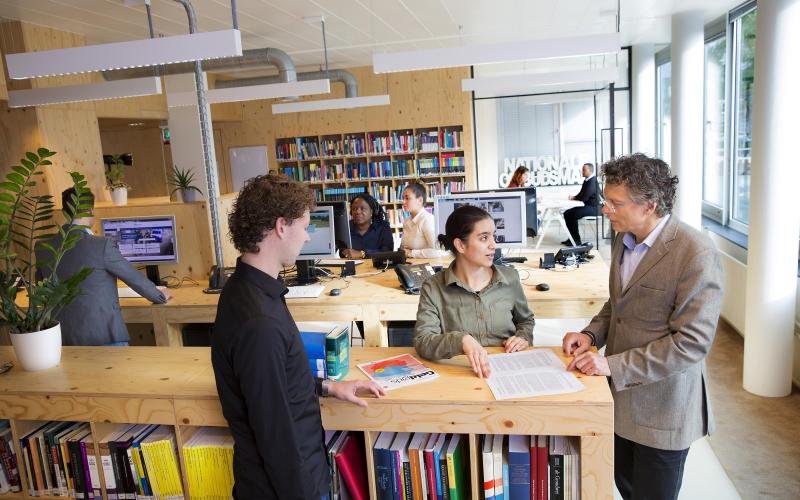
325, 388
363, 254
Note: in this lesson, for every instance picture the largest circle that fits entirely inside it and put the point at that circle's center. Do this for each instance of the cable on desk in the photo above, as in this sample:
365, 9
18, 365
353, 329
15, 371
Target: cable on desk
372, 273
178, 282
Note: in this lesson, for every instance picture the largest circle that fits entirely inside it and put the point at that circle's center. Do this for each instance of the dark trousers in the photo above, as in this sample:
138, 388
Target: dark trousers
642, 472
572, 216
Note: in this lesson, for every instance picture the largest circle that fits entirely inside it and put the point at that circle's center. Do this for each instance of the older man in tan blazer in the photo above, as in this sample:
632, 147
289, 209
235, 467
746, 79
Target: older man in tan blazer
657, 326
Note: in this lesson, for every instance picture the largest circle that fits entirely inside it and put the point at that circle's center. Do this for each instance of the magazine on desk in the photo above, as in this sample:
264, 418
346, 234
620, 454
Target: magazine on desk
524, 374
398, 371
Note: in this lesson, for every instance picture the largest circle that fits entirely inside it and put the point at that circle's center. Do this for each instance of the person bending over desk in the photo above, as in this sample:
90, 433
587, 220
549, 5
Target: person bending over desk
419, 232
369, 229
472, 303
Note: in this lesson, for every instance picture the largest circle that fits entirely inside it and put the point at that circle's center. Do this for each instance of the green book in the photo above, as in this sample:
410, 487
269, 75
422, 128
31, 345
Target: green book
337, 352
458, 468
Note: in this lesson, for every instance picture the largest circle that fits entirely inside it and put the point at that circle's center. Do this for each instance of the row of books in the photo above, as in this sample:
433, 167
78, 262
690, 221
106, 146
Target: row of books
9, 470
336, 194
138, 461
452, 160
208, 456
530, 467
418, 466
441, 188
348, 465
450, 139
327, 345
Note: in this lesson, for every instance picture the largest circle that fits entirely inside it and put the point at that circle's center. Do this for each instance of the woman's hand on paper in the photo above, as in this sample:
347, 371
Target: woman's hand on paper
514, 344
348, 390
476, 355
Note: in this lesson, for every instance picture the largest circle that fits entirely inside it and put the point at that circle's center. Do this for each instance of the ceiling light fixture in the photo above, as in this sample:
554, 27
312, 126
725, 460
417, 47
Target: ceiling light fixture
496, 53
121, 55
325, 104
252, 92
523, 82
90, 92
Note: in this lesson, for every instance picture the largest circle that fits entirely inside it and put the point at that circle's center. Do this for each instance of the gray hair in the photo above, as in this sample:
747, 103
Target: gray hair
647, 179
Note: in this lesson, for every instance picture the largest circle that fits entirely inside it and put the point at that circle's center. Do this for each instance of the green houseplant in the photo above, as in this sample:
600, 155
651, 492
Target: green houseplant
115, 180
26, 224
182, 182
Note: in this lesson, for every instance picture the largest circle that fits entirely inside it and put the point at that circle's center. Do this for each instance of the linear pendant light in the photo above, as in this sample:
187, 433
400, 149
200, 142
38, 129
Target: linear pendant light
325, 104
495, 53
252, 92
120, 55
90, 92
521, 82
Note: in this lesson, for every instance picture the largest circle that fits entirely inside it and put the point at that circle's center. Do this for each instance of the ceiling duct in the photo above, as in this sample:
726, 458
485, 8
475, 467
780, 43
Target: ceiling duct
334, 75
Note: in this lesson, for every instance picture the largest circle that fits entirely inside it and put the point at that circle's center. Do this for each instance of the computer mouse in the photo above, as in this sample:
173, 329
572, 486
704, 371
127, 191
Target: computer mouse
335, 291
543, 287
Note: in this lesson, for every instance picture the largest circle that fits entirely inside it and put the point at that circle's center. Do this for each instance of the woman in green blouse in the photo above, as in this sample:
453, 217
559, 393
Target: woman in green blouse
472, 303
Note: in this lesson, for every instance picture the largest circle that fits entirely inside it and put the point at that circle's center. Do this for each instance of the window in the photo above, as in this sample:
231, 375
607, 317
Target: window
714, 129
743, 31
663, 104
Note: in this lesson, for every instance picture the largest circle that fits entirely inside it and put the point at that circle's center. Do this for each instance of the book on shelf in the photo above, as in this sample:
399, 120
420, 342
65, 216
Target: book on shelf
355, 145
417, 463
331, 146
498, 443
428, 166
402, 142
8, 459
398, 455
208, 456
379, 144
428, 142
458, 468
352, 467
450, 139
383, 466
160, 455
519, 467
487, 460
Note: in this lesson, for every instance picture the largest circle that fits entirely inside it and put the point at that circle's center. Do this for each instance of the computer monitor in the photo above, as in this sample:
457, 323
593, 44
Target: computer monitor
322, 231
506, 208
531, 215
341, 216
147, 240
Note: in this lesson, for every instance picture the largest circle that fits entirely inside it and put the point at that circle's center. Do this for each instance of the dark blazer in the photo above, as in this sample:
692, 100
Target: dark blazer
94, 316
588, 192
657, 332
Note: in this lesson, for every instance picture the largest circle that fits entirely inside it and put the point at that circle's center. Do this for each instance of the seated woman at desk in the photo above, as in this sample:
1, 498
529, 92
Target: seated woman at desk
369, 229
419, 232
520, 177
472, 303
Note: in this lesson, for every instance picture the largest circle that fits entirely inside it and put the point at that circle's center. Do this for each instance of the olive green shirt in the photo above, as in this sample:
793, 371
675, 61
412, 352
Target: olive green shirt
448, 310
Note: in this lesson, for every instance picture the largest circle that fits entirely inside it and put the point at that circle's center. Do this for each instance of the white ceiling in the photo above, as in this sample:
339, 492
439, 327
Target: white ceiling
357, 28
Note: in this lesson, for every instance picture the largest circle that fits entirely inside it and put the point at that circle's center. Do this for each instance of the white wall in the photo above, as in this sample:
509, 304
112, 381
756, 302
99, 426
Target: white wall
734, 262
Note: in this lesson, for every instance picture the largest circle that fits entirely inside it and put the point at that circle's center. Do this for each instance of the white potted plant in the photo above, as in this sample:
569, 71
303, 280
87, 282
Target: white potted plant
25, 223
182, 182
115, 175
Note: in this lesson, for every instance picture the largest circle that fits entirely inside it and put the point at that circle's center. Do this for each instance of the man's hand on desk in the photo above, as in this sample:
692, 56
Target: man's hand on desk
348, 390
514, 344
576, 343
591, 363
476, 355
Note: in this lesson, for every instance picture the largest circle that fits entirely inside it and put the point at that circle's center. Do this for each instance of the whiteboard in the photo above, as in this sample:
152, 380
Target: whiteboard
247, 162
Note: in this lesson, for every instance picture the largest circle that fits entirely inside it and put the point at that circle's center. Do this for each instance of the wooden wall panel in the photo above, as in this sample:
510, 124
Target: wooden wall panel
145, 107
195, 252
152, 164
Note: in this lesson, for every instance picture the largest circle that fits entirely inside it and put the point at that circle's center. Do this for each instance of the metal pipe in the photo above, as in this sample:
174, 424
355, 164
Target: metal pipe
335, 75
205, 129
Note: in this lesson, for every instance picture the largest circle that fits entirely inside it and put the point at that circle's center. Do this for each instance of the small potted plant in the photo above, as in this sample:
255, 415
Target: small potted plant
182, 182
26, 224
115, 175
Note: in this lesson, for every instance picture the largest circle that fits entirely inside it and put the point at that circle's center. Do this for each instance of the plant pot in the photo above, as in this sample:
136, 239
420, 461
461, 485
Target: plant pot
119, 196
189, 195
38, 350
179, 195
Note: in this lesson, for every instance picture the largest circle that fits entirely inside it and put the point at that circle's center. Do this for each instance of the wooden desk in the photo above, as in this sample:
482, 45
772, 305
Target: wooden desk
378, 299
175, 386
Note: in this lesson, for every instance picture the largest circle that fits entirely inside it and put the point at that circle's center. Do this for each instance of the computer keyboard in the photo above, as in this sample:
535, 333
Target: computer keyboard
337, 262
304, 291
129, 293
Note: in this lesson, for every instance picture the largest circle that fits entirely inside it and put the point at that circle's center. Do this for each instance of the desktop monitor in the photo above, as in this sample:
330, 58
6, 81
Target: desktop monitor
321, 230
145, 240
531, 215
341, 215
506, 208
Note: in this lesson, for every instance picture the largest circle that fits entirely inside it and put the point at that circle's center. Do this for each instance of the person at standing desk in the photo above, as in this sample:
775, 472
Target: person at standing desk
94, 317
472, 303
419, 230
369, 229
268, 394
588, 195
658, 325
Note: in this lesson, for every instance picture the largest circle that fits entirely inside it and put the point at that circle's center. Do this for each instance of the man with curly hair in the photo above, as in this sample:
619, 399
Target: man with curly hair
268, 394
665, 288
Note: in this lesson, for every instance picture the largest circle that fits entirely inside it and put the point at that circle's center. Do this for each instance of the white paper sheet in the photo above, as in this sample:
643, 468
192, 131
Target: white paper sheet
524, 374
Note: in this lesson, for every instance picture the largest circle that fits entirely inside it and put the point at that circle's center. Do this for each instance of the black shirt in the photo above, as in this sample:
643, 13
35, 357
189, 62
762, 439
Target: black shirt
588, 192
267, 391
378, 238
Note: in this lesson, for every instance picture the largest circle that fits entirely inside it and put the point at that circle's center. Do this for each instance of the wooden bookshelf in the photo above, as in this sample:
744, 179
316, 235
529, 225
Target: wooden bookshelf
175, 387
379, 162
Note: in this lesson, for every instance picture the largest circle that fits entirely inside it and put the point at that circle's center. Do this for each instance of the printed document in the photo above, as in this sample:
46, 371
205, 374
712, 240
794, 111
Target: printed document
524, 374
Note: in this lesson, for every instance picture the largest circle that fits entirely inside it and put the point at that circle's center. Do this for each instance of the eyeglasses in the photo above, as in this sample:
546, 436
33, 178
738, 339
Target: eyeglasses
612, 207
